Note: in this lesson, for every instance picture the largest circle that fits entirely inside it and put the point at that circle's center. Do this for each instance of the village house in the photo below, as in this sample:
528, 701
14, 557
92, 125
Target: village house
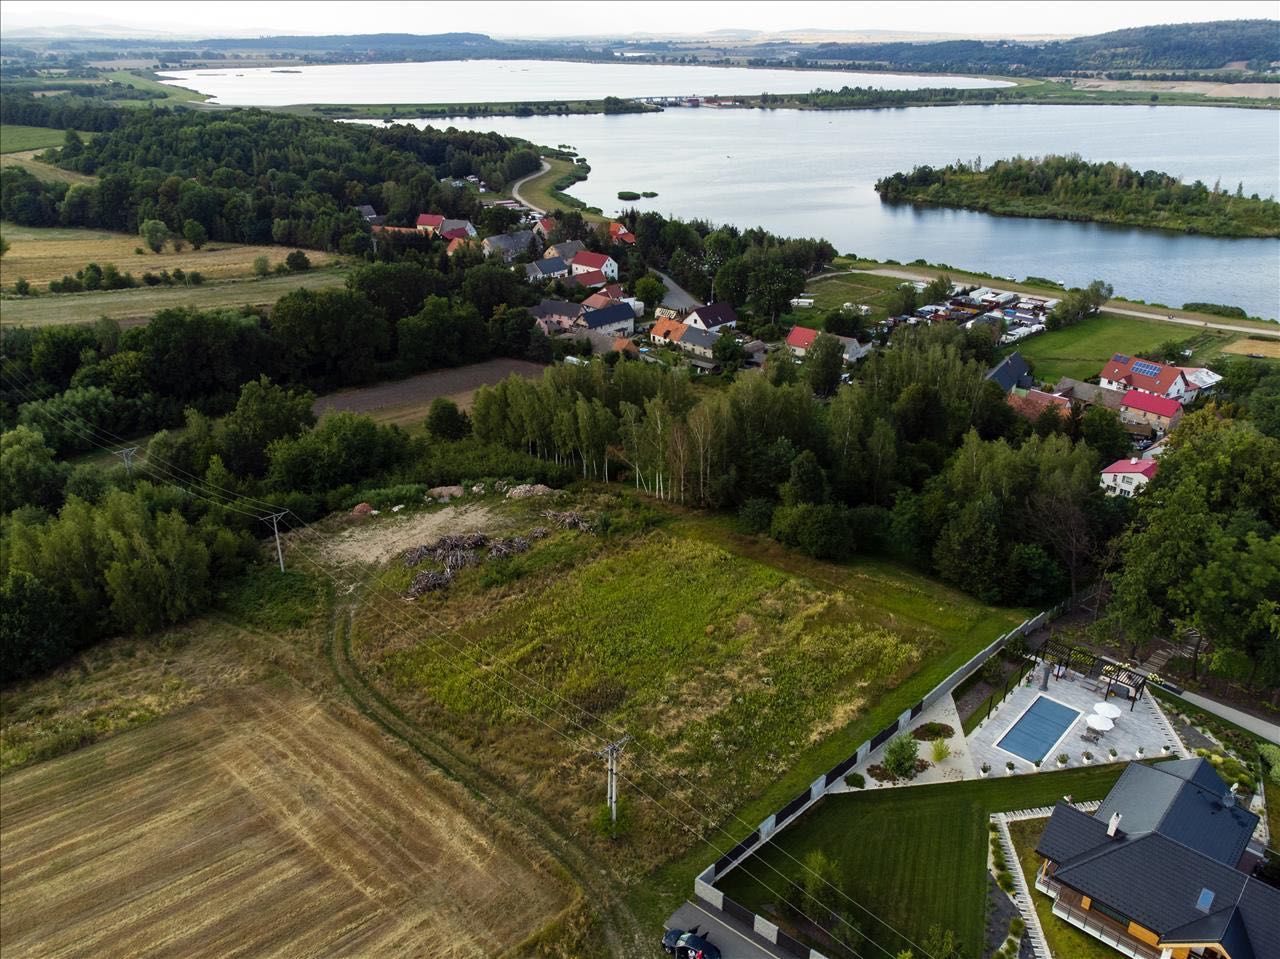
1134, 373
1161, 414
1029, 404
667, 331
801, 339
566, 250
1010, 372
617, 318
587, 262
458, 243
713, 316
508, 245
545, 227
699, 342
588, 280
620, 234
548, 269
1126, 477
1089, 394
435, 224
1162, 869
556, 316
370, 215
1199, 380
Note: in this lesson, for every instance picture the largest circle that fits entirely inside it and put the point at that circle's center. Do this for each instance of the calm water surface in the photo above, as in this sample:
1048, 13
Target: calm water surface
497, 81
812, 174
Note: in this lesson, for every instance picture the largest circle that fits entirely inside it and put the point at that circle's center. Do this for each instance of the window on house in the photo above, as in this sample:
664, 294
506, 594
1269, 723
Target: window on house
1110, 913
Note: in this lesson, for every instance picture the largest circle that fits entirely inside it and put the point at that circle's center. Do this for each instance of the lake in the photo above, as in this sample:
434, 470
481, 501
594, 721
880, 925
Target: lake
500, 81
809, 173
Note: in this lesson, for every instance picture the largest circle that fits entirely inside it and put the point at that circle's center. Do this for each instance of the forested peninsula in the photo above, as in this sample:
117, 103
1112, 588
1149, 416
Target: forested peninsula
1069, 188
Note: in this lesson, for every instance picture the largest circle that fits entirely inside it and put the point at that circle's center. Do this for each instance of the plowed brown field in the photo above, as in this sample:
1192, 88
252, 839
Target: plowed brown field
256, 824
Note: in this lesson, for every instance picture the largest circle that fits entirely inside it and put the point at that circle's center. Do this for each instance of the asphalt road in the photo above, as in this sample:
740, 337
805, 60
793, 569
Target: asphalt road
734, 941
515, 189
677, 298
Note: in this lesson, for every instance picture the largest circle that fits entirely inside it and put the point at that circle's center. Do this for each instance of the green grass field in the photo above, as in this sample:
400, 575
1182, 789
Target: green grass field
1063, 938
831, 293
139, 304
172, 95
916, 856
1080, 351
15, 138
539, 191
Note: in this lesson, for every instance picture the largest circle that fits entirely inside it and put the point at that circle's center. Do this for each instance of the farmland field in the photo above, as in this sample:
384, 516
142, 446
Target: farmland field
15, 138
129, 307
916, 855
255, 824
405, 402
1248, 345
41, 254
42, 171
1080, 351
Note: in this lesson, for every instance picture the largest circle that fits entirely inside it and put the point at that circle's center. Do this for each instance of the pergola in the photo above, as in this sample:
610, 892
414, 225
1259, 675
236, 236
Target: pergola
1092, 666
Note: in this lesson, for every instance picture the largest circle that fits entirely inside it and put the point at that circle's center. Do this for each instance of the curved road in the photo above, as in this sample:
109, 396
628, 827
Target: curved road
515, 189
1110, 306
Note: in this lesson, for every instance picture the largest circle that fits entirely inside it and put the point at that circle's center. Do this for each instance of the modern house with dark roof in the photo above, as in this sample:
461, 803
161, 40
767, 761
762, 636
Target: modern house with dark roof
508, 245
712, 316
1010, 372
547, 269
618, 318
1160, 870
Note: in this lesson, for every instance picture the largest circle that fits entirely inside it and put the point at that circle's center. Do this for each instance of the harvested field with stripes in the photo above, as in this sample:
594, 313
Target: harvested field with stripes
258, 823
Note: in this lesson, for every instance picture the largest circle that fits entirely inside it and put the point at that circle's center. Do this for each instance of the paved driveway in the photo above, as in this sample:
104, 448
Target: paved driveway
735, 941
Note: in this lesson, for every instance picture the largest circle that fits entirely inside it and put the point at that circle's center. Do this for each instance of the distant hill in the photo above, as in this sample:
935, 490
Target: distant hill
1177, 46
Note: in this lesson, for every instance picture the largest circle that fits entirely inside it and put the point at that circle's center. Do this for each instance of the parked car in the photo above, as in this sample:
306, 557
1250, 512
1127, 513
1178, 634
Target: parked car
689, 945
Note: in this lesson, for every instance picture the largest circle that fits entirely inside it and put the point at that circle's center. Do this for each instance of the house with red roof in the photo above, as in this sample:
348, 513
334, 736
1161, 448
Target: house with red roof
588, 262
1126, 477
800, 339
1029, 404
545, 227
589, 278
458, 243
620, 234
1158, 412
1147, 376
430, 222
667, 331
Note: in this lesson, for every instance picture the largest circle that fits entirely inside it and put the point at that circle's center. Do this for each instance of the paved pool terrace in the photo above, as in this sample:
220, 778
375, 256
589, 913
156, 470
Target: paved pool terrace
1032, 721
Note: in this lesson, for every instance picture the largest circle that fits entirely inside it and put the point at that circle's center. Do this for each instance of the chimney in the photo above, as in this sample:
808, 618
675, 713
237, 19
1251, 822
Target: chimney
1133, 460
1114, 825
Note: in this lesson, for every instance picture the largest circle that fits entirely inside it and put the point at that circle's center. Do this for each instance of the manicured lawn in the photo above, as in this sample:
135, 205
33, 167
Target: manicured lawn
915, 856
1064, 939
1080, 351
14, 138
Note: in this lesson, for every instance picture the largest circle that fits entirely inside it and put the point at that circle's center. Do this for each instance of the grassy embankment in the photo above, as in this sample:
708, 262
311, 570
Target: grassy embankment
146, 80
916, 855
429, 111
15, 138
41, 254
545, 191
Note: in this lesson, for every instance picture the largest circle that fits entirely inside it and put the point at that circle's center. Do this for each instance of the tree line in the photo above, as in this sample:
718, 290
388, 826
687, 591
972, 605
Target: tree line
254, 177
1070, 188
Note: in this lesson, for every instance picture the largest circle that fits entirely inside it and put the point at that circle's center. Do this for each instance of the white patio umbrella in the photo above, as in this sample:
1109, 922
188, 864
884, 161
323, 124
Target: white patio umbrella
1100, 723
1110, 710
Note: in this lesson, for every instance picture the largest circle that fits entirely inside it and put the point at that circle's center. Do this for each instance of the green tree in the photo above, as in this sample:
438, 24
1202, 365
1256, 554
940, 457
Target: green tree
772, 287
195, 233
733, 282
650, 290
35, 632
263, 414
154, 233
807, 483
29, 474
297, 262
445, 421
1102, 430
823, 363
938, 290
261, 266
900, 756
728, 352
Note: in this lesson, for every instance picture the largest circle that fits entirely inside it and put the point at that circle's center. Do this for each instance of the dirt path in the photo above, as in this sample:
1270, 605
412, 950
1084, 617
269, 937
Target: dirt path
619, 928
515, 189
1111, 306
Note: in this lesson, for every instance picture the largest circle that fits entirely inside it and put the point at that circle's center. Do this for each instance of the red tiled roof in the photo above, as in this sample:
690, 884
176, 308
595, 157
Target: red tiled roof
614, 290
1120, 369
801, 337
458, 233
620, 233
599, 299
430, 219
595, 261
1157, 405
1146, 467
547, 223
1032, 403
458, 243
668, 329
590, 278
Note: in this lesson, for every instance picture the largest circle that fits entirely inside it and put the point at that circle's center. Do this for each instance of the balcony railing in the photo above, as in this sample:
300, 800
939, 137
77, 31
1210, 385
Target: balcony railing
1104, 929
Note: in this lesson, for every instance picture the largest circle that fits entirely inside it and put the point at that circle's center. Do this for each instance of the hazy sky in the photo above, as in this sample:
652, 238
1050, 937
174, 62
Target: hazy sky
213, 18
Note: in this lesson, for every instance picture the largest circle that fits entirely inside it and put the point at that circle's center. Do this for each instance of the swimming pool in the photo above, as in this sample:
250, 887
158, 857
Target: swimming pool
1038, 729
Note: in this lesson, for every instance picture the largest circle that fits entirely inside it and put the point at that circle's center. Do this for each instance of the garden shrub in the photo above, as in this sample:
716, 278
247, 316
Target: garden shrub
940, 750
856, 780
927, 732
900, 757
1271, 759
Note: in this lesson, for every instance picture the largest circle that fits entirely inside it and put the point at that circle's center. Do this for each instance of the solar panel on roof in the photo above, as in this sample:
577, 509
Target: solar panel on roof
1120, 358
1146, 369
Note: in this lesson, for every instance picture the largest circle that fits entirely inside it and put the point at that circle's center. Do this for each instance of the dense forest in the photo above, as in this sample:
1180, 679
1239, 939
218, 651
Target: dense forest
1173, 46
255, 177
1069, 188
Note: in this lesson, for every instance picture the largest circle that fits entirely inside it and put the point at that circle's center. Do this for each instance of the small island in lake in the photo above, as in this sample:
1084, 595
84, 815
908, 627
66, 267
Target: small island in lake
1069, 188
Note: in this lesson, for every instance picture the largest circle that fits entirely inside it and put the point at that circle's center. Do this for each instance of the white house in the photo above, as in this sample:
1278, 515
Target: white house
586, 261
1147, 376
1126, 477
